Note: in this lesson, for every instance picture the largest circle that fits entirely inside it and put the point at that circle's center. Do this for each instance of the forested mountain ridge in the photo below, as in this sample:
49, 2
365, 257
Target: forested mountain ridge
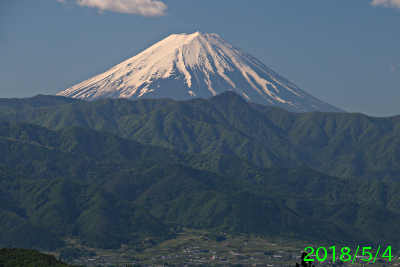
340, 144
107, 191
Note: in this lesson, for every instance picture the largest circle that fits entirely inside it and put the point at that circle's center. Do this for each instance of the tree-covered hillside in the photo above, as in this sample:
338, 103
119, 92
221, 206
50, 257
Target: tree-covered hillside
107, 191
340, 144
27, 258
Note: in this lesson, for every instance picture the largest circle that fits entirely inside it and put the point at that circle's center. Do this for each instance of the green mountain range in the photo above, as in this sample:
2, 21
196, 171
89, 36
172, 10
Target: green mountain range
112, 172
339, 144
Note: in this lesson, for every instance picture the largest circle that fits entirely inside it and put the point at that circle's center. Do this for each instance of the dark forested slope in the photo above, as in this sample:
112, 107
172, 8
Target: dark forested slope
107, 191
340, 144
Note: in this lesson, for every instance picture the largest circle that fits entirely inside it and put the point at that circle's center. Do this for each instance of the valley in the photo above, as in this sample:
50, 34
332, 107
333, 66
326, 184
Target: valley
196, 248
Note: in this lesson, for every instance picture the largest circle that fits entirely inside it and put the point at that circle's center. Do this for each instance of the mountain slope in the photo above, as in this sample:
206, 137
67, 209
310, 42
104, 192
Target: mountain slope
61, 178
340, 144
40, 213
185, 66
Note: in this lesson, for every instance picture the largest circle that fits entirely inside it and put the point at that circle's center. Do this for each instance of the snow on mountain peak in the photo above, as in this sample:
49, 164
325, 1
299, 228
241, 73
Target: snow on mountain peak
184, 66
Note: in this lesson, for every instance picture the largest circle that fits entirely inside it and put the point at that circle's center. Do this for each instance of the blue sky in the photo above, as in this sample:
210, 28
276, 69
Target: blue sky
345, 52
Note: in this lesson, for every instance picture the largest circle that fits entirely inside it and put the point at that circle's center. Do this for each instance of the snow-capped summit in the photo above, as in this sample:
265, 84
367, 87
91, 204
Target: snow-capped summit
185, 66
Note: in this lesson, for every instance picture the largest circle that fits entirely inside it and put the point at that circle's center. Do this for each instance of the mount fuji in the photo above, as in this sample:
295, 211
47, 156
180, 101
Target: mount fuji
185, 66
